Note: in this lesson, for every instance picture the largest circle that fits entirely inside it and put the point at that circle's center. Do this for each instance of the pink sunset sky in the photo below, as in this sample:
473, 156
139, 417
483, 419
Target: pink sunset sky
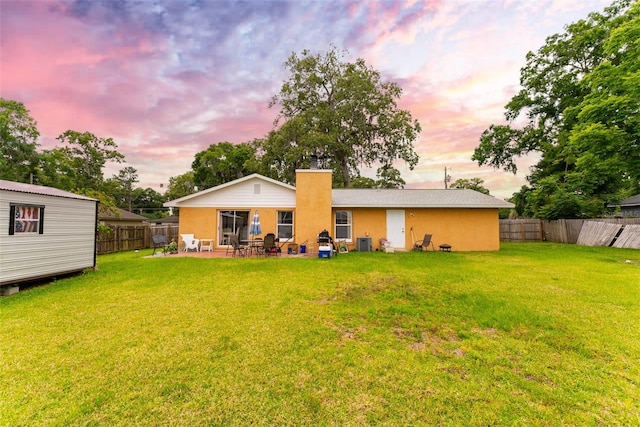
167, 78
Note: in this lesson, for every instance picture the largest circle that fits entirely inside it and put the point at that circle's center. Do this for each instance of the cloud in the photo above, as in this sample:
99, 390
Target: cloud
167, 78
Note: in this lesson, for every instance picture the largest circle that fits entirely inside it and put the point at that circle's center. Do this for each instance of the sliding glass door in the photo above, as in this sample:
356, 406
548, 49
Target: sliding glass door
232, 222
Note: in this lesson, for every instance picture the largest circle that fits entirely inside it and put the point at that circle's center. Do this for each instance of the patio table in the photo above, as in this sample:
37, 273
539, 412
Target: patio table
253, 245
206, 244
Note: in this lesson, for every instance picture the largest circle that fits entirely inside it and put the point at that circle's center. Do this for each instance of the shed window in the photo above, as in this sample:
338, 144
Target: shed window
343, 225
26, 219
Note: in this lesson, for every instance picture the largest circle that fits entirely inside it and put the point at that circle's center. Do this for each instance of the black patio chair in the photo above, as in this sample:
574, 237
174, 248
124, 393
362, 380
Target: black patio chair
237, 247
269, 247
420, 244
160, 242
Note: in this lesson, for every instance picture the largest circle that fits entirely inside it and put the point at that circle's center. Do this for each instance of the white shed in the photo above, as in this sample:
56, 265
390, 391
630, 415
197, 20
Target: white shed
44, 232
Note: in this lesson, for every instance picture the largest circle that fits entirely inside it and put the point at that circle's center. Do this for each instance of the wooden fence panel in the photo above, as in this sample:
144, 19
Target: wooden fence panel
129, 238
562, 230
597, 233
629, 238
132, 238
171, 231
123, 238
520, 230
107, 242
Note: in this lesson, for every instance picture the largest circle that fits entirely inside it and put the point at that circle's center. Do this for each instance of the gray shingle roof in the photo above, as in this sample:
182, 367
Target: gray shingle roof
125, 215
39, 189
414, 198
631, 201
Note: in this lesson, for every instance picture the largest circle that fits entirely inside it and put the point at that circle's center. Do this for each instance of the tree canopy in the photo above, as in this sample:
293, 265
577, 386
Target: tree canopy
476, 184
88, 155
18, 142
580, 101
342, 112
180, 186
223, 162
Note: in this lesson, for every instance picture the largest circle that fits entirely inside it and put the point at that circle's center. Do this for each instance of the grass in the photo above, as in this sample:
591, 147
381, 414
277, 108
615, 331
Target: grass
536, 334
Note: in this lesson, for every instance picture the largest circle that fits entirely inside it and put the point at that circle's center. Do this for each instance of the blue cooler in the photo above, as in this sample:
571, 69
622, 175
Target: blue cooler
324, 252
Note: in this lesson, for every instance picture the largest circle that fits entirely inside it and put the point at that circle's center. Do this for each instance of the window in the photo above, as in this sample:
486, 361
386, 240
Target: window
285, 225
343, 225
26, 219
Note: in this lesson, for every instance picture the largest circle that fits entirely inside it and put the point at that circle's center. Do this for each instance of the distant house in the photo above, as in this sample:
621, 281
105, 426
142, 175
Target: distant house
630, 208
123, 217
169, 220
44, 232
465, 219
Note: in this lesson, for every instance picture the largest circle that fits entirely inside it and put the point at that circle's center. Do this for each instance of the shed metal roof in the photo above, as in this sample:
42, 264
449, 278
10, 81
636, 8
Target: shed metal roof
414, 198
39, 189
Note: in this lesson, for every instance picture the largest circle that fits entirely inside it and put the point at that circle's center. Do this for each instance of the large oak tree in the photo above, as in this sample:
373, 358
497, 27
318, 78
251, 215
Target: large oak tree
342, 112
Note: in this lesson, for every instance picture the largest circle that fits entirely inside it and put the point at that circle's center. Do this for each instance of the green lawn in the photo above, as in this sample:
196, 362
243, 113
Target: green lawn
536, 334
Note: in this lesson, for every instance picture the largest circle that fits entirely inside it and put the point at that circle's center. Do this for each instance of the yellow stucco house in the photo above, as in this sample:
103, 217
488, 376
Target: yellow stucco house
465, 219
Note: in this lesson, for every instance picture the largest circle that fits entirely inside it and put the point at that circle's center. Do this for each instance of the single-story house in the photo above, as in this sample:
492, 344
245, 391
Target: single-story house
465, 219
630, 208
168, 220
44, 232
123, 218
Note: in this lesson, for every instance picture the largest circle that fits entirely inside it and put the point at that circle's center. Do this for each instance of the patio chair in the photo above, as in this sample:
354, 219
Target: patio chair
237, 247
269, 247
420, 244
160, 242
190, 242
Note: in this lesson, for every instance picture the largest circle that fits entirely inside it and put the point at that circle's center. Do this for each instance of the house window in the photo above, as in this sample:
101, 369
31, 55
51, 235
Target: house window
26, 219
343, 225
285, 225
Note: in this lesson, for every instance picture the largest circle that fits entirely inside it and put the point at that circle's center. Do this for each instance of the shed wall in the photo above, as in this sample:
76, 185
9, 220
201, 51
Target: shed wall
66, 245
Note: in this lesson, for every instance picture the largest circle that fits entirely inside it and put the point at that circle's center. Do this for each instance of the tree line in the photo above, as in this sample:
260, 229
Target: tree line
77, 165
579, 109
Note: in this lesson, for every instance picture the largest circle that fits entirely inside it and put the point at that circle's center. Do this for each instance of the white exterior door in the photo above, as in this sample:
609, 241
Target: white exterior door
395, 228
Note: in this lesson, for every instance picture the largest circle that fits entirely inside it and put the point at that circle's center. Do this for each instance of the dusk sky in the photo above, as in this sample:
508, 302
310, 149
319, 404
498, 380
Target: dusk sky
166, 79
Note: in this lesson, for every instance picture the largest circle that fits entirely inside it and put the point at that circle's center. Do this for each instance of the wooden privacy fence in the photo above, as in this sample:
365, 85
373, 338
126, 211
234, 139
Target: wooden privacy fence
521, 230
572, 231
128, 238
596, 233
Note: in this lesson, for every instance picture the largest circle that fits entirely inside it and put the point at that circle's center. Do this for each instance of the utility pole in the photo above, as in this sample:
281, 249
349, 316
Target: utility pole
447, 178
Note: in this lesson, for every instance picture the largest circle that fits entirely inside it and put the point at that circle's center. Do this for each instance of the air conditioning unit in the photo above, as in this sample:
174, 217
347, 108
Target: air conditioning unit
364, 244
